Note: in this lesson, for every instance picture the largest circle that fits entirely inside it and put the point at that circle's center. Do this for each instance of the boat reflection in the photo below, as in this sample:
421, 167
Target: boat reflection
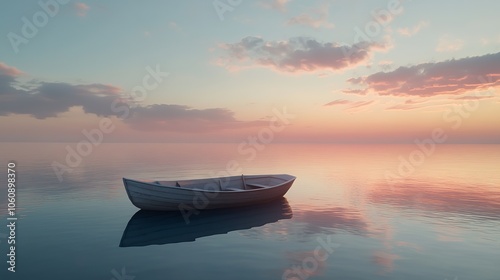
158, 228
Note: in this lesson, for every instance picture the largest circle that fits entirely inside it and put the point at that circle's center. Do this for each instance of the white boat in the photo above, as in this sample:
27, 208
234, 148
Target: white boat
211, 193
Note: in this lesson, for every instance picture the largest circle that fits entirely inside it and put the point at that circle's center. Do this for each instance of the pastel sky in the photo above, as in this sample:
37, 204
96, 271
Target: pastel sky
352, 71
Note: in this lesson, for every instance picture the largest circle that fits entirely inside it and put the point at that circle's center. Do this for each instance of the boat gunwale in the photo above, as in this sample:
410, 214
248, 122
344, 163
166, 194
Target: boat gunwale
216, 178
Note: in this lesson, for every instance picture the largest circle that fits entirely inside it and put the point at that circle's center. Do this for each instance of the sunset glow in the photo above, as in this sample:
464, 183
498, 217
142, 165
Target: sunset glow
381, 72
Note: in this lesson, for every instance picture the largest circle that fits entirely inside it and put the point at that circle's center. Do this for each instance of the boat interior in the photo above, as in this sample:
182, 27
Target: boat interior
233, 183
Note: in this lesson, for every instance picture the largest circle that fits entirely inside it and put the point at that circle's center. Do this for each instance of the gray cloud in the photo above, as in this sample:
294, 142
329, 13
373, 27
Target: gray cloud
8, 77
349, 104
50, 99
456, 76
43, 100
297, 54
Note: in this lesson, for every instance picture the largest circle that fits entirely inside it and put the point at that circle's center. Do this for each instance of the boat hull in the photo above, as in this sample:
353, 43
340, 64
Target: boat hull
155, 197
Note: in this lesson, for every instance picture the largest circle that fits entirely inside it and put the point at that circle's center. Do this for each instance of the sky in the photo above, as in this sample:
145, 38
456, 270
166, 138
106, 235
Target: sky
387, 71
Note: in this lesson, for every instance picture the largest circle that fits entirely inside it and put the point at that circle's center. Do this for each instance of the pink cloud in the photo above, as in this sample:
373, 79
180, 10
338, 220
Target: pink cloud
299, 54
279, 5
338, 102
355, 91
9, 70
315, 18
456, 76
413, 104
81, 9
468, 97
360, 104
448, 43
405, 107
348, 105
410, 31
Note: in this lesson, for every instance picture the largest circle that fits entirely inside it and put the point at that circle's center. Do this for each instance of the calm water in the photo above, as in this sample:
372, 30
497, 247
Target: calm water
342, 219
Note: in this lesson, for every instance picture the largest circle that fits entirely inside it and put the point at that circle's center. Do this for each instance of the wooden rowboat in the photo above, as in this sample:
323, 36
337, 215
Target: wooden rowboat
157, 228
211, 193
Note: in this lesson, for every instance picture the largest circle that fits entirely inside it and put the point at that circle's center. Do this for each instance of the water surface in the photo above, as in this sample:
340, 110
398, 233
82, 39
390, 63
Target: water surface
439, 219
